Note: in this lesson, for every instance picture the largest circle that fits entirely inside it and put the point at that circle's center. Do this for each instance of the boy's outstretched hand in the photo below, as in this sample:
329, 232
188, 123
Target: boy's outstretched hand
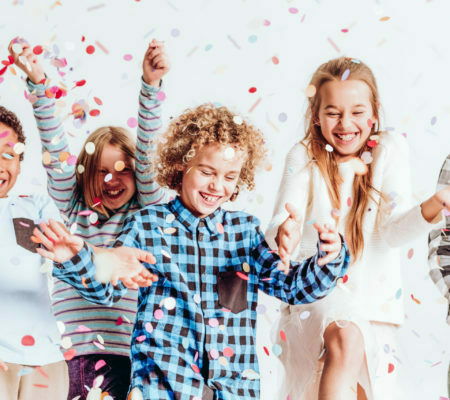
331, 243
26, 60
156, 63
288, 237
124, 263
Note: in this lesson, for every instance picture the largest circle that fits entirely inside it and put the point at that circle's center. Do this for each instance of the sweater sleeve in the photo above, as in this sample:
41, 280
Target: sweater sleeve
149, 126
399, 220
293, 189
61, 179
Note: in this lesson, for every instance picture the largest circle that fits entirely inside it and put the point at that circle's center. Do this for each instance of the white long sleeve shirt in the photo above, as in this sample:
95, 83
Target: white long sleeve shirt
374, 280
25, 307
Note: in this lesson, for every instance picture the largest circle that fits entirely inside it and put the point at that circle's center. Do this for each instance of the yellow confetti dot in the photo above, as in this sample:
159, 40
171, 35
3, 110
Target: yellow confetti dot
46, 158
246, 267
80, 168
170, 231
223, 361
310, 91
119, 165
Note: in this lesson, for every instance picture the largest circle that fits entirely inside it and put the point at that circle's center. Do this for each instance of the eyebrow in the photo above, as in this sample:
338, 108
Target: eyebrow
333, 106
209, 166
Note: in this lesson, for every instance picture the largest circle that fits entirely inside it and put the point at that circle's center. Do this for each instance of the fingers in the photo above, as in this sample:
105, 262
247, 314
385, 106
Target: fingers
58, 228
42, 239
144, 256
48, 232
328, 258
46, 253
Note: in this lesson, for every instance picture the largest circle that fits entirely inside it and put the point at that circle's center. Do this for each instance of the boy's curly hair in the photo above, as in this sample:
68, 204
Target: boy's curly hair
201, 126
10, 119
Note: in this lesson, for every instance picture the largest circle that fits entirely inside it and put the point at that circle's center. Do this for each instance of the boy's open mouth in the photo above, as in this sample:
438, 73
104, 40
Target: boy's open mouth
210, 198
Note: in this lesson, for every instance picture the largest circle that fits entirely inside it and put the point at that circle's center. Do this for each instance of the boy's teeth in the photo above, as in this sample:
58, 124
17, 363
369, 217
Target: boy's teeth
209, 198
1, 182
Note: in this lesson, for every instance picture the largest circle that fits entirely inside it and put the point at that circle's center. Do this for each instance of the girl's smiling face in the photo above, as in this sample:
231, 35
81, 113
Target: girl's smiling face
118, 185
210, 178
344, 114
9, 160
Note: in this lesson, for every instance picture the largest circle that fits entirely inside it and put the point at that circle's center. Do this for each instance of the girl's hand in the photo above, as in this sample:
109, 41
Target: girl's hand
3, 366
332, 243
432, 207
60, 245
26, 60
288, 237
156, 63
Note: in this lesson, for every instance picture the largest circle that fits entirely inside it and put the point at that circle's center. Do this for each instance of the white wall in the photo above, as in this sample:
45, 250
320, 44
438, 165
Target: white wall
215, 58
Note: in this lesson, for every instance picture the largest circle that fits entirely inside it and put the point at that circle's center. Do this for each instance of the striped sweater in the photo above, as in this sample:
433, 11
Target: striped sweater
89, 328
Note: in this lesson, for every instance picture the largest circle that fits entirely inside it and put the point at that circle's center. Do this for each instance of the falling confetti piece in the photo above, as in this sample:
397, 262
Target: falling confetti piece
414, 299
433, 120
66, 343
242, 276
304, 315
293, 10
310, 91
98, 101
82, 329
99, 364
345, 75
344, 30
223, 361
94, 113
275, 60
160, 96
266, 350
329, 148
108, 177
90, 148
233, 41
333, 44
276, 350
132, 122
255, 104
228, 153
410, 253
246, 267
27, 340
197, 298
195, 368
141, 338
170, 231
237, 120
19, 148
252, 38
349, 201
382, 19
390, 368
170, 303
149, 327
282, 117
39, 385
372, 144
98, 345
252, 89
213, 322
127, 57
165, 254
37, 50
69, 354
159, 314
170, 218
228, 352
90, 49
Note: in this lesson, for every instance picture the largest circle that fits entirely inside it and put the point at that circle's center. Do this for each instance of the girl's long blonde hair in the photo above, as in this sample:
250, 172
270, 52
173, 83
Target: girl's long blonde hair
87, 183
326, 161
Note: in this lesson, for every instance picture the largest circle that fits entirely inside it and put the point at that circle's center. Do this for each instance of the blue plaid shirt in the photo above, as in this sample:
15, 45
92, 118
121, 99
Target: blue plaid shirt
194, 335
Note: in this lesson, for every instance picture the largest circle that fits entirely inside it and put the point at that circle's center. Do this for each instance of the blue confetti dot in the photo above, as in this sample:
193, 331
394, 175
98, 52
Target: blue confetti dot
175, 32
398, 294
386, 348
208, 47
252, 38
276, 350
282, 117
433, 120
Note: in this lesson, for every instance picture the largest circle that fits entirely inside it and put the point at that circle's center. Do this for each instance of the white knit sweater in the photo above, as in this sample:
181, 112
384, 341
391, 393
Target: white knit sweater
374, 280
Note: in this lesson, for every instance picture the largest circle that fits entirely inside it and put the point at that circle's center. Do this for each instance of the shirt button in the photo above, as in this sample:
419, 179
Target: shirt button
200, 236
201, 224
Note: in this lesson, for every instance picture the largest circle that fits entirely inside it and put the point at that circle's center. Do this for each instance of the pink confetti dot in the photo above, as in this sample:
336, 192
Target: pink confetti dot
410, 253
213, 322
72, 160
161, 96
159, 314
195, 368
214, 354
132, 122
28, 340
140, 338
219, 228
293, 10
228, 352
99, 364
149, 327
127, 57
266, 22
1, 79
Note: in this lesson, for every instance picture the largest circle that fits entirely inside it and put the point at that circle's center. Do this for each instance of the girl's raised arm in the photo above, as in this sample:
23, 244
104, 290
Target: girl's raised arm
61, 179
155, 66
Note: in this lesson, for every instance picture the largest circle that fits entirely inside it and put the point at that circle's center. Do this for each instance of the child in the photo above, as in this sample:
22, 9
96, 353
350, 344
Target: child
194, 335
31, 364
110, 182
438, 245
347, 170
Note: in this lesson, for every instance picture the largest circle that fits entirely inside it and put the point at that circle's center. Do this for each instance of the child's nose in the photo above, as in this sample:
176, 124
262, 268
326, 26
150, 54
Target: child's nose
216, 183
346, 122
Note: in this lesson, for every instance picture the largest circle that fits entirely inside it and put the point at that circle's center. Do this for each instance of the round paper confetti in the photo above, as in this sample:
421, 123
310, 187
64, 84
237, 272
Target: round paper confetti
170, 218
228, 352
293, 10
69, 354
175, 32
108, 177
282, 117
276, 350
283, 336
252, 38
398, 294
197, 298
228, 153
266, 22
127, 57
119, 165
208, 47
170, 303
310, 91
72, 160
61, 327
93, 218
94, 394
390, 368
195, 368
261, 309
304, 315
160, 96
170, 230
382, 19
89, 147
214, 354
19, 148
46, 158
252, 89
237, 120
159, 314
90, 49
66, 342
223, 361
98, 381
94, 113
433, 120
275, 60
80, 168
345, 75
37, 50
213, 322
185, 343
140, 339
220, 228
28, 340
132, 122
246, 267
329, 148
149, 327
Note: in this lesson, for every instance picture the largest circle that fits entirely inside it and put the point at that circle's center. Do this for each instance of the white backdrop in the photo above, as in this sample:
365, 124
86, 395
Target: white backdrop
219, 49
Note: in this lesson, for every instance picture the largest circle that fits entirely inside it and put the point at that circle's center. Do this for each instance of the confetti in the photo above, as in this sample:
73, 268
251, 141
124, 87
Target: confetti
305, 315
246, 267
66, 343
310, 91
233, 41
214, 354
293, 10
160, 95
19, 148
98, 101
345, 75
197, 298
149, 327
228, 155
158, 314
237, 120
94, 113
252, 89
242, 276
132, 122
329, 148
344, 30
213, 322
223, 361
127, 57
252, 38
366, 157
141, 338
69, 354
96, 7
333, 44
254, 105
266, 350
195, 368
276, 350
170, 303
372, 144
101, 47
390, 368
165, 254
108, 177
410, 253
80, 168
383, 19
414, 299
4, 134
170, 218
17, 48
27, 340
175, 32
89, 148
228, 352
433, 120
275, 60
99, 364
82, 329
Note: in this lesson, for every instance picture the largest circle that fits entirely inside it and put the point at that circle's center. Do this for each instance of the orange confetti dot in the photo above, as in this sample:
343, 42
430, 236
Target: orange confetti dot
69, 354
195, 368
98, 101
63, 156
37, 50
83, 281
385, 18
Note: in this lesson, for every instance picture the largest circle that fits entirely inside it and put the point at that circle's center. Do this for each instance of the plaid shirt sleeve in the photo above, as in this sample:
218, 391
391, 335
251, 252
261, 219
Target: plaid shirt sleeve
306, 281
439, 244
79, 272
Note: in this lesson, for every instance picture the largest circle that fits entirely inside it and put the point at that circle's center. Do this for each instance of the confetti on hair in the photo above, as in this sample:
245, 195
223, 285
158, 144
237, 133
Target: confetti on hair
345, 75
310, 91
237, 120
329, 148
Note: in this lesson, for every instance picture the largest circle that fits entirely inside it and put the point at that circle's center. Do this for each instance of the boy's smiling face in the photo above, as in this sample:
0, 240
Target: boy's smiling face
210, 178
9, 160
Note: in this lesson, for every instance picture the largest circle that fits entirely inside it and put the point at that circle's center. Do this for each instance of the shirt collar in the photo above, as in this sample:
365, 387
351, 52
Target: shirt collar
190, 221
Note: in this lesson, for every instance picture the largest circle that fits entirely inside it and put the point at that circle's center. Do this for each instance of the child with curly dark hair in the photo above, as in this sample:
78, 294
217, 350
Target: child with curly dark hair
28, 331
194, 335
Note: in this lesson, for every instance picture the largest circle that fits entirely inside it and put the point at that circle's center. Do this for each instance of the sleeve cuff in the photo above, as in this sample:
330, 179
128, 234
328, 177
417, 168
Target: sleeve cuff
78, 261
149, 89
40, 87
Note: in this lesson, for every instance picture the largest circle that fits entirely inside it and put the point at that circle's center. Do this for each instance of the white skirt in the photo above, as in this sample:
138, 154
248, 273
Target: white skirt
303, 328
